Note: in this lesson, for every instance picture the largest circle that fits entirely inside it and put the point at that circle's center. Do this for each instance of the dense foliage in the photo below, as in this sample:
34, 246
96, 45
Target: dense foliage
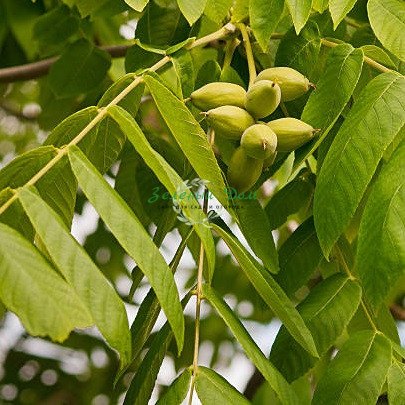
92, 120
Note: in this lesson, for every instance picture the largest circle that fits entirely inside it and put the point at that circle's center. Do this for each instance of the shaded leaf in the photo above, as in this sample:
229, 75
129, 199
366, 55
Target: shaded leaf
381, 243
132, 237
357, 373
326, 310
81, 68
369, 128
183, 65
396, 383
217, 10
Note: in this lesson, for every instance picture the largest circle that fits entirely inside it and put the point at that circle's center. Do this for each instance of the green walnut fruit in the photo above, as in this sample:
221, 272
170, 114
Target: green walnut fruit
215, 94
293, 84
291, 133
243, 171
259, 141
229, 121
262, 98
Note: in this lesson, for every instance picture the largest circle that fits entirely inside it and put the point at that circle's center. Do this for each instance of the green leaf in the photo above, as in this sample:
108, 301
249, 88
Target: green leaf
217, 10
396, 383
296, 195
240, 10
132, 237
142, 384
381, 243
55, 26
379, 55
299, 257
162, 25
183, 65
299, 10
168, 177
256, 228
320, 5
326, 310
357, 373
190, 137
33, 290
81, 273
270, 291
81, 68
369, 128
300, 51
137, 5
102, 144
264, 16
387, 19
192, 9
284, 391
131, 101
339, 9
342, 72
177, 391
57, 187
138, 59
212, 388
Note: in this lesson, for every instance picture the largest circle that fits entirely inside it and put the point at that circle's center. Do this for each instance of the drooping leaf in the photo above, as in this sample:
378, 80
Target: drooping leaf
379, 55
32, 289
387, 19
177, 391
213, 388
256, 228
342, 72
132, 237
192, 9
300, 51
326, 310
80, 69
264, 16
296, 195
168, 177
320, 5
142, 384
190, 137
369, 128
284, 391
381, 243
396, 383
339, 9
106, 308
357, 373
270, 291
299, 257
299, 10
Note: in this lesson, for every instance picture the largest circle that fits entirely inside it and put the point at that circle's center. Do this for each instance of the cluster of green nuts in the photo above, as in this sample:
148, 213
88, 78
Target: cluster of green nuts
233, 114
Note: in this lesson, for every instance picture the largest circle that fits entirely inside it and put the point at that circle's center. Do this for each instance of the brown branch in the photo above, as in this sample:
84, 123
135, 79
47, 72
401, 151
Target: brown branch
398, 312
41, 68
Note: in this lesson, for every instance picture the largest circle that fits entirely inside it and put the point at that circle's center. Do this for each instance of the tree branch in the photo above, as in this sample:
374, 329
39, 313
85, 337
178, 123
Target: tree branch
41, 68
